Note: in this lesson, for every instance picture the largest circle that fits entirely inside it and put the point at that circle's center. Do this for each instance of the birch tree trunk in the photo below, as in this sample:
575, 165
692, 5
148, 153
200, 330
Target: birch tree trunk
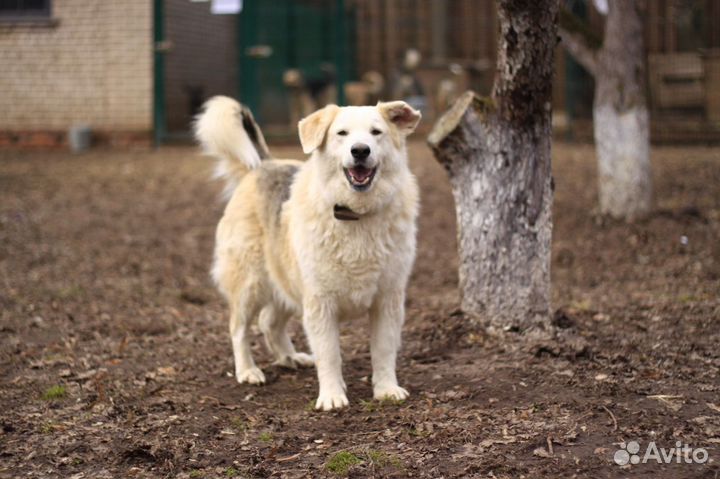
497, 153
620, 114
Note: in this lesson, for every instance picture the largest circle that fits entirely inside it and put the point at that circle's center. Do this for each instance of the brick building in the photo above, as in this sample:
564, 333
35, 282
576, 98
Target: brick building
90, 62
79, 61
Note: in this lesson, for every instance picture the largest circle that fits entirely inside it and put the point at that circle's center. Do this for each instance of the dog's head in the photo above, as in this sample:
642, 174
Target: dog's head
363, 146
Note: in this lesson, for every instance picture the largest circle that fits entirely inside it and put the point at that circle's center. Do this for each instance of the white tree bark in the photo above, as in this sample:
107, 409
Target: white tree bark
497, 154
623, 150
621, 124
620, 114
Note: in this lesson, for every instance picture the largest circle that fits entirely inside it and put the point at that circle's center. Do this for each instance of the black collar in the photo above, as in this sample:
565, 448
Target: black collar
343, 213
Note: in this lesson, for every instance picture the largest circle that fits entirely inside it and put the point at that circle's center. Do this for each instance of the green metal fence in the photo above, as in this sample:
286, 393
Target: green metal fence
311, 37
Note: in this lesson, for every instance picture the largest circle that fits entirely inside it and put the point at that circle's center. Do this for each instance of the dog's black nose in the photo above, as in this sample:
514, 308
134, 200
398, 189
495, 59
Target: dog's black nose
360, 151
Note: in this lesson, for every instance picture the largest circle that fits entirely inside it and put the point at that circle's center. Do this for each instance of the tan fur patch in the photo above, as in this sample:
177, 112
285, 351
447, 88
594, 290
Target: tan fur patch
313, 128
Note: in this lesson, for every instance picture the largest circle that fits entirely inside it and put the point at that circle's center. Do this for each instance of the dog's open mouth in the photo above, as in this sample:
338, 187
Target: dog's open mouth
360, 177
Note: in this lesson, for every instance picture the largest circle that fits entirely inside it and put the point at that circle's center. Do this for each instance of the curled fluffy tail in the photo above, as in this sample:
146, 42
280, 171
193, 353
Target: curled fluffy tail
227, 130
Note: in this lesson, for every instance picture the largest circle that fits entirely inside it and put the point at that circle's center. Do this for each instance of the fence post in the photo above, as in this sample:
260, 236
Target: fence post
159, 118
341, 50
247, 36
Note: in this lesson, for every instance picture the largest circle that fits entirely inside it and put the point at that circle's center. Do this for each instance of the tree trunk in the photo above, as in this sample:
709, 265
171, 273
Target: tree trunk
497, 154
620, 116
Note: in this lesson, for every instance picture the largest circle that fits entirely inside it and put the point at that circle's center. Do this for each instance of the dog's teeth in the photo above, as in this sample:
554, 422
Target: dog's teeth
362, 181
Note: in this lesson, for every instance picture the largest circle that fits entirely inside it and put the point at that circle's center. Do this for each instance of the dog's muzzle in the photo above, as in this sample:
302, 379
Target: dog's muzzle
360, 174
360, 177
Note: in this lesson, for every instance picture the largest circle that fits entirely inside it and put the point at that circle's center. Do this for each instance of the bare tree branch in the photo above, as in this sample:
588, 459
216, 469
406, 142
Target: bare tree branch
579, 40
580, 51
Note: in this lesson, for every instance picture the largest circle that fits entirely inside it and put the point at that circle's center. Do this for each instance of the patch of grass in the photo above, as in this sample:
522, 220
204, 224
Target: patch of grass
47, 427
372, 406
369, 406
231, 472
383, 459
55, 392
196, 473
341, 462
265, 437
391, 402
310, 406
74, 291
688, 298
415, 432
581, 305
239, 424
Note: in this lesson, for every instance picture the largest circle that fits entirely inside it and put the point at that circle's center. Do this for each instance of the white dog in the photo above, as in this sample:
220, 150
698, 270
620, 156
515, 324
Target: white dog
326, 239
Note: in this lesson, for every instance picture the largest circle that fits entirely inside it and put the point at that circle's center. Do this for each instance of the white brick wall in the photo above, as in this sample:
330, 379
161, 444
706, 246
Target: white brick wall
94, 66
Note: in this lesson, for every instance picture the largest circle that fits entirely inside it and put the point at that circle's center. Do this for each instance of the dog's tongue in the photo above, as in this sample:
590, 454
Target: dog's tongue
360, 173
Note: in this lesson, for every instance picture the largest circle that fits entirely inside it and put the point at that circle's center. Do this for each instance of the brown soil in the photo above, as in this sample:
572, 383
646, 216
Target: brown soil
104, 290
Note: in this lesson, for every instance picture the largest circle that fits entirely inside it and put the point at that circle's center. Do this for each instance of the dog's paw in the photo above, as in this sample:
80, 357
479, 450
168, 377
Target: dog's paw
390, 391
330, 401
252, 375
303, 360
295, 360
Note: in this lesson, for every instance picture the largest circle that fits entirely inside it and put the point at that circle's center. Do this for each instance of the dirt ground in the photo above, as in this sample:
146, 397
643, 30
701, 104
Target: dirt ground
115, 359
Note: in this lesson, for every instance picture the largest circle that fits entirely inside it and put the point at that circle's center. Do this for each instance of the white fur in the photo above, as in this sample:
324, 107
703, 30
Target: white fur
313, 264
220, 132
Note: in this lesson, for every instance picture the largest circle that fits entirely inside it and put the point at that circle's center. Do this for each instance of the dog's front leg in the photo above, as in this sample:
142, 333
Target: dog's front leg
386, 319
321, 326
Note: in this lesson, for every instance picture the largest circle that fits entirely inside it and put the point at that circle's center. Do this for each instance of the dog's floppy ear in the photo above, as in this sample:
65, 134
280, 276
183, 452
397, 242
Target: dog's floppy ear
400, 114
312, 128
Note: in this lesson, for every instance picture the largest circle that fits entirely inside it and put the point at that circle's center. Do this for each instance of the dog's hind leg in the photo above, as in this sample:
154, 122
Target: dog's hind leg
243, 309
273, 324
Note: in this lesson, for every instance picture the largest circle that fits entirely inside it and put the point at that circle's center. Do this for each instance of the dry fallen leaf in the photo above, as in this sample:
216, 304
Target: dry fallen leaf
672, 402
541, 452
492, 442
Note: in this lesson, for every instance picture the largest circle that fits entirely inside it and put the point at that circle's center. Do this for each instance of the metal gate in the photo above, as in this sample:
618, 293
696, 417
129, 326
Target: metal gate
248, 55
310, 38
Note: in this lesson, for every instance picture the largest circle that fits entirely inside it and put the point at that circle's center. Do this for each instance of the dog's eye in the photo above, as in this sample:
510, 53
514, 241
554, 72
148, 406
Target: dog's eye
342, 132
375, 132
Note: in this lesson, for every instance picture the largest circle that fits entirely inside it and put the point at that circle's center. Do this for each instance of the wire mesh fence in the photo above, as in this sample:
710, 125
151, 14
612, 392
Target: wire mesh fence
286, 58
